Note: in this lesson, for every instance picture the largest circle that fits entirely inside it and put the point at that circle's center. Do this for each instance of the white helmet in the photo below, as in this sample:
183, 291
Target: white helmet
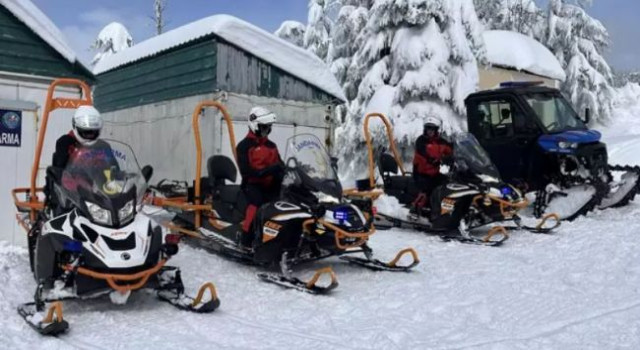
87, 123
260, 121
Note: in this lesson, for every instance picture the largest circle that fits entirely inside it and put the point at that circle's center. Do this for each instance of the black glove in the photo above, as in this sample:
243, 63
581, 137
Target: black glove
447, 160
275, 169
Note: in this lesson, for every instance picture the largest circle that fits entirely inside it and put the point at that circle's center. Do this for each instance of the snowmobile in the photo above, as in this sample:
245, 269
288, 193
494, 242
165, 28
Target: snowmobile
310, 221
539, 143
474, 196
95, 240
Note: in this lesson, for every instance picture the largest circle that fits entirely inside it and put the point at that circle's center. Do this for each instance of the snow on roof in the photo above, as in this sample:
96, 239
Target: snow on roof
32, 17
268, 47
515, 50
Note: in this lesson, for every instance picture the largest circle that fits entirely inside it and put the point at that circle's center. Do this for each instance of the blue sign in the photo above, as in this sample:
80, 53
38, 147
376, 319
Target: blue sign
10, 128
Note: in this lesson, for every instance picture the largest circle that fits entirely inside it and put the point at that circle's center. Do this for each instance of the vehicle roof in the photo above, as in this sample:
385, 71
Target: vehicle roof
517, 90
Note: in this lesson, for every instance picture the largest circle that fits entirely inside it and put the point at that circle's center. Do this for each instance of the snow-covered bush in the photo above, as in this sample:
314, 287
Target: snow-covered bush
292, 31
114, 37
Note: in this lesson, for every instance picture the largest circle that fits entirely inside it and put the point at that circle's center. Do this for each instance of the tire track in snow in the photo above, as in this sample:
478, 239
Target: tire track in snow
553, 330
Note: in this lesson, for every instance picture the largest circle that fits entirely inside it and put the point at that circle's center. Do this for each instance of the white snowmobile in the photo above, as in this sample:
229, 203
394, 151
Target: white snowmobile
310, 221
96, 240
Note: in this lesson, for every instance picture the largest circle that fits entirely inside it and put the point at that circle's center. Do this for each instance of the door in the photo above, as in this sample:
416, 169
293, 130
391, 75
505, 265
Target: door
17, 146
506, 133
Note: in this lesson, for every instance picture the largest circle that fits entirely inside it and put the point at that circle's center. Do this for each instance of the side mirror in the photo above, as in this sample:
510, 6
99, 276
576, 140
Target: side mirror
334, 163
587, 115
147, 172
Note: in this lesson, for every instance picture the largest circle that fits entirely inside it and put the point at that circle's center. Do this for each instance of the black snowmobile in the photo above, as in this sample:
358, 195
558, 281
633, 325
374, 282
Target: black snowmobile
101, 243
474, 196
539, 143
311, 221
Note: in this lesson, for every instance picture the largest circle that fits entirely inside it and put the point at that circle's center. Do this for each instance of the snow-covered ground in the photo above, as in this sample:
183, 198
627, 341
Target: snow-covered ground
576, 289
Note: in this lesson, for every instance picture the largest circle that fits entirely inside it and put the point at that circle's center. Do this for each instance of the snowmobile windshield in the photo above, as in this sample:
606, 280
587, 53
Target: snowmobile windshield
309, 157
104, 179
469, 156
554, 112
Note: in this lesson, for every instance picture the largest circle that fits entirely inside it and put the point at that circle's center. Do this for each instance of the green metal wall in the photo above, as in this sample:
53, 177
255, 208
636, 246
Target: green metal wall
184, 71
23, 51
241, 72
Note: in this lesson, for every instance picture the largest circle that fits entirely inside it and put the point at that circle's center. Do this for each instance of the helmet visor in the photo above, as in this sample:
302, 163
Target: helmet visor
89, 134
264, 129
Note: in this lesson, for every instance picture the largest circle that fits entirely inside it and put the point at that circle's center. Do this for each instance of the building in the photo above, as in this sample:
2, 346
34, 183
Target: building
32, 54
147, 92
513, 56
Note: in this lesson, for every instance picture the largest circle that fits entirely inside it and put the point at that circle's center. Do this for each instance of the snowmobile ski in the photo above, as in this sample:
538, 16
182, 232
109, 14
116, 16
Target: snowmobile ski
171, 290
297, 284
377, 265
51, 323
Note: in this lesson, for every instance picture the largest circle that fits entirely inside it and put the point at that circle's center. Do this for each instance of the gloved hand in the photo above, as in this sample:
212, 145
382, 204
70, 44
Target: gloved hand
444, 169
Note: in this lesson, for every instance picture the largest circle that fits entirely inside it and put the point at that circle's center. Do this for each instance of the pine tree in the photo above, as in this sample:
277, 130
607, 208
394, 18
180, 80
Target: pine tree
317, 35
578, 41
113, 38
417, 58
522, 16
293, 32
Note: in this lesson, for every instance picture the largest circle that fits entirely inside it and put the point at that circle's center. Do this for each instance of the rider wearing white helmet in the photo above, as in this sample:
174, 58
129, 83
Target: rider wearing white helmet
430, 152
86, 127
260, 165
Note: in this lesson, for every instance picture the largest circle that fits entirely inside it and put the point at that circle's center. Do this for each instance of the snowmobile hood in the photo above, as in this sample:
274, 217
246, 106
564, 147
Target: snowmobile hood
568, 141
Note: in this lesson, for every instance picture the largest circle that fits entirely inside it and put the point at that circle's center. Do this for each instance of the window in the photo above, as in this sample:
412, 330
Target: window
495, 118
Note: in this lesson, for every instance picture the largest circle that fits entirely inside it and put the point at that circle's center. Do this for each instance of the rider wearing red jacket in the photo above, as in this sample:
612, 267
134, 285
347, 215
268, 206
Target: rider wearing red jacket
431, 151
261, 167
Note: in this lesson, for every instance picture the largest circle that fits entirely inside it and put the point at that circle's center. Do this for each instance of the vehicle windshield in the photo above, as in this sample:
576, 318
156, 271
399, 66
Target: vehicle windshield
310, 156
555, 113
470, 156
106, 170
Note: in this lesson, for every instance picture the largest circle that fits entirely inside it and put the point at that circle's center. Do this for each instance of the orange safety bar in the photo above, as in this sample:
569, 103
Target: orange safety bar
367, 136
112, 279
196, 130
340, 233
52, 104
27, 204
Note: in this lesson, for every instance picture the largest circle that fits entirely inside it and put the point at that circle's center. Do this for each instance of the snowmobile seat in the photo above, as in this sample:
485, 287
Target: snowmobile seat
387, 164
220, 169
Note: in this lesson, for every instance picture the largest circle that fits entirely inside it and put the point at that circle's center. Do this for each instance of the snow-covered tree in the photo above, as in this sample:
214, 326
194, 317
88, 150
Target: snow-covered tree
349, 24
292, 31
522, 16
578, 41
317, 35
114, 37
418, 58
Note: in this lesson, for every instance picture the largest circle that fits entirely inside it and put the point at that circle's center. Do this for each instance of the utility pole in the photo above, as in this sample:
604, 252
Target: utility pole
159, 6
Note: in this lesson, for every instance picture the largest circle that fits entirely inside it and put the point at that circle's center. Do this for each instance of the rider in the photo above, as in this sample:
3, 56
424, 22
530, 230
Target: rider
261, 167
431, 151
86, 126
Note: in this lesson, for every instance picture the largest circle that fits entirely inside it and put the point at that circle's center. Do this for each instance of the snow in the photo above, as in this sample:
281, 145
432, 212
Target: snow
575, 289
37, 21
515, 50
292, 31
278, 52
113, 38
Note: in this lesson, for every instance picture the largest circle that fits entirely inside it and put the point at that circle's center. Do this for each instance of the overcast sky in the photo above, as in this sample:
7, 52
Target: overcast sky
81, 21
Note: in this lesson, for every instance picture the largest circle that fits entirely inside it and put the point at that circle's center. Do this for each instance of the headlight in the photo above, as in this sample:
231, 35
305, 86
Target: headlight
99, 214
125, 213
565, 145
